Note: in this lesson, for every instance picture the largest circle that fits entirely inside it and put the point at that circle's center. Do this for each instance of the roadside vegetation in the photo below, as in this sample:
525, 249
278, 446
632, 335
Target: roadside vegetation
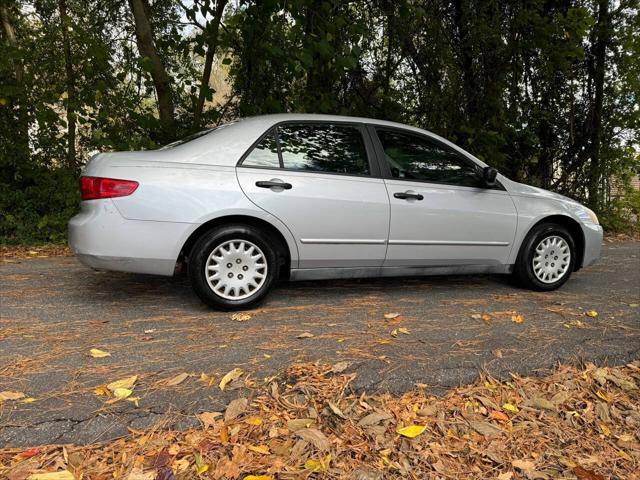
546, 92
574, 424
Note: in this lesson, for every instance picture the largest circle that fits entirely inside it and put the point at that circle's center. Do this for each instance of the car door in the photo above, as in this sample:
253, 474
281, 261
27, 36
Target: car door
317, 178
442, 213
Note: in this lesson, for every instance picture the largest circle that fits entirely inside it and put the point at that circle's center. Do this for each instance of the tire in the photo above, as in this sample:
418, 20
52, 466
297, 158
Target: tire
548, 237
235, 268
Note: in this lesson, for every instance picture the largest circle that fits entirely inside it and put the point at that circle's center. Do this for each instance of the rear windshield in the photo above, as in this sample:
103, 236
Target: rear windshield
187, 139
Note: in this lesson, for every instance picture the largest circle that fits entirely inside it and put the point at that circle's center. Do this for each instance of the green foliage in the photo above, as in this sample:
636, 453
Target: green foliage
513, 82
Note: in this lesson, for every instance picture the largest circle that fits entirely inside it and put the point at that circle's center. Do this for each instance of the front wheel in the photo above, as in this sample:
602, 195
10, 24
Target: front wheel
233, 267
547, 258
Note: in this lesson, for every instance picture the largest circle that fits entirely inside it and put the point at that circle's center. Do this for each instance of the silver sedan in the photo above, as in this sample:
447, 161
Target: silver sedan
300, 197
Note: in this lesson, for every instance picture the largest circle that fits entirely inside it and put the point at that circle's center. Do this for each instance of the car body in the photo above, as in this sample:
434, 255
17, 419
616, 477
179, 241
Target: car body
349, 197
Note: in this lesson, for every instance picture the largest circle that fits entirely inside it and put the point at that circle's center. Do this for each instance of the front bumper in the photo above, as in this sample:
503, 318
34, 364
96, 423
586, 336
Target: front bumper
103, 239
592, 243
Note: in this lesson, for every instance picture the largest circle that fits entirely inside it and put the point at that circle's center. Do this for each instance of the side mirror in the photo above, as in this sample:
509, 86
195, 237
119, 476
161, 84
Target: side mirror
489, 175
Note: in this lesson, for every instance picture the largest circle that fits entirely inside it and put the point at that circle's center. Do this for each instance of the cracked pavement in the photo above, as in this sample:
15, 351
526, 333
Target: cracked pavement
54, 310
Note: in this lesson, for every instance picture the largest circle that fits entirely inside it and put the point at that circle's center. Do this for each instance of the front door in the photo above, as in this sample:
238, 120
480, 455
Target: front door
318, 180
442, 213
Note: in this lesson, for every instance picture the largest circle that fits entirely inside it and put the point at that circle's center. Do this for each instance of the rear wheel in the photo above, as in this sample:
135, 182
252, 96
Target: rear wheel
547, 258
233, 267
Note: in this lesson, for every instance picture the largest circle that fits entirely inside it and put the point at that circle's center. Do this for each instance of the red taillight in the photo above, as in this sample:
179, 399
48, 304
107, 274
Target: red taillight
93, 188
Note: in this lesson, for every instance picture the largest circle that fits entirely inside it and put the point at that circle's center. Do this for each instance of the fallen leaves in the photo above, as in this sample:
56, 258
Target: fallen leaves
240, 317
97, 353
305, 335
391, 316
310, 423
61, 475
591, 313
517, 318
230, 377
127, 382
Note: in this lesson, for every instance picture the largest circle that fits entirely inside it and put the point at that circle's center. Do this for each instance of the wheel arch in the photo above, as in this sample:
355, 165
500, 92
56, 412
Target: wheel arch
281, 242
574, 229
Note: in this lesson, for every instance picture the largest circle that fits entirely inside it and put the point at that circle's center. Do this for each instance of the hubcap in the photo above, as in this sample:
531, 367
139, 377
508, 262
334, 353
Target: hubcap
236, 269
551, 259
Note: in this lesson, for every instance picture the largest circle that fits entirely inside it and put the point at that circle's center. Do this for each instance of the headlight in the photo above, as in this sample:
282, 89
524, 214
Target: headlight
587, 215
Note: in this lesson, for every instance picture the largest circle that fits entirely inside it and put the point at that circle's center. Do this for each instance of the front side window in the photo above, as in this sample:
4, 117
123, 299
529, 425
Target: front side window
321, 147
264, 154
413, 157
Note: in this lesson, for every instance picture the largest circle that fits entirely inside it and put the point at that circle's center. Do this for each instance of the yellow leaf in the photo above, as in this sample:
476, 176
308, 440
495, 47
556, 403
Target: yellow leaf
321, 465
411, 431
394, 333
28, 400
255, 421
230, 377
128, 382
240, 317
607, 397
263, 449
96, 353
508, 407
517, 318
267, 356
180, 465
63, 475
591, 313
122, 393
102, 390
404, 330
201, 469
604, 429
134, 400
258, 477
209, 418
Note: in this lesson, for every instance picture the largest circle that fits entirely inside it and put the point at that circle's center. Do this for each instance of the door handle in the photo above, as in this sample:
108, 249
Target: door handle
408, 195
271, 184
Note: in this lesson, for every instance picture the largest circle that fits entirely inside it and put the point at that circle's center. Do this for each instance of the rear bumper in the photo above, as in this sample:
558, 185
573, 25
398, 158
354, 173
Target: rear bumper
103, 239
592, 243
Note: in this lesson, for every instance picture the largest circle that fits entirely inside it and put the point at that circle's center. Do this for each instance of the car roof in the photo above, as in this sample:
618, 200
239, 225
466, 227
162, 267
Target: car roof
225, 144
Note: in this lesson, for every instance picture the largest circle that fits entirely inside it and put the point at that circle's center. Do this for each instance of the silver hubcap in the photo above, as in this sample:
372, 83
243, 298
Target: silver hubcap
236, 269
551, 259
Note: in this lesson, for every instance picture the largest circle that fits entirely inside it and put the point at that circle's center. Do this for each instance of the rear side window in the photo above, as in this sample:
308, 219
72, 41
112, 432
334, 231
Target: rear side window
322, 147
264, 154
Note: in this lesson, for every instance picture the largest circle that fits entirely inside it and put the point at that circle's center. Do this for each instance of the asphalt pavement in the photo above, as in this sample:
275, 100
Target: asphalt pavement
54, 310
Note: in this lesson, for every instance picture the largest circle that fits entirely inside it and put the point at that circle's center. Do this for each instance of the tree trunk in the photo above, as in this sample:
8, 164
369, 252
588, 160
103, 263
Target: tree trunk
212, 44
599, 52
21, 145
161, 80
70, 85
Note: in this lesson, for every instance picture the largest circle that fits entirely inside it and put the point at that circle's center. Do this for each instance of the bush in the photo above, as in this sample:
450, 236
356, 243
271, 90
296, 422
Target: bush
36, 210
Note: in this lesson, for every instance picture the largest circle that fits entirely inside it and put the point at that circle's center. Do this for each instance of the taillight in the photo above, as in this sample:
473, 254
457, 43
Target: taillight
93, 188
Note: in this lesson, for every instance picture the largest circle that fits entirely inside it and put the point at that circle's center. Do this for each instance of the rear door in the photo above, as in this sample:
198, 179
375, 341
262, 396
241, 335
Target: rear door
442, 213
319, 180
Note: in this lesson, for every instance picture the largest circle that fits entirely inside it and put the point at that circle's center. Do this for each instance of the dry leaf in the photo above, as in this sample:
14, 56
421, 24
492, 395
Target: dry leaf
334, 408
321, 465
229, 377
524, 465
235, 408
403, 330
6, 395
255, 421
411, 431
394, 333
209, 418
299, 423
508, 407
584, 474
62, 475
305, 335
240, 317
128, 382
177, 380
391, 316
374, 419
517, 318
340, 367
122, 393
314, 437
96, 353
591, 313
501, 417
258, 477
263, 449
542, 403
485, 428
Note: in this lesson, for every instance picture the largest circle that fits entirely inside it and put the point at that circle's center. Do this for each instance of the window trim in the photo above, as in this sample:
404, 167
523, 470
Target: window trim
386, 170
370, 152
